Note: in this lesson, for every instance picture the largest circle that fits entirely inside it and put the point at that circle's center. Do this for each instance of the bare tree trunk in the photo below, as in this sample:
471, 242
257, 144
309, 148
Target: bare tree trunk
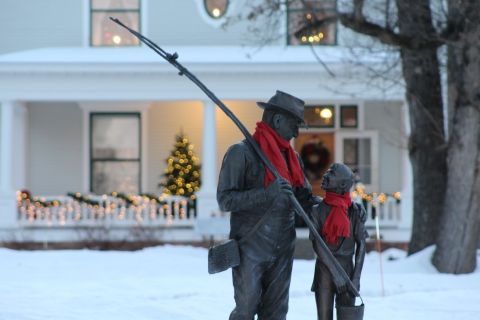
460, 224
427, 147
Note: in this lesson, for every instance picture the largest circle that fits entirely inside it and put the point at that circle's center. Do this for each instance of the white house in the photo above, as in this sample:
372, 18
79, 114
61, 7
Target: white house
81, 98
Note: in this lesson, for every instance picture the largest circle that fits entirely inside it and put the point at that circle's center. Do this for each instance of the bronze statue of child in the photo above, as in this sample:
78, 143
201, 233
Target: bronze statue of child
341, 224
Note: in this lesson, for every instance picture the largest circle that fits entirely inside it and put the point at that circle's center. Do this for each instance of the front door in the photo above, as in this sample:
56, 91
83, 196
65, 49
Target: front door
317, 151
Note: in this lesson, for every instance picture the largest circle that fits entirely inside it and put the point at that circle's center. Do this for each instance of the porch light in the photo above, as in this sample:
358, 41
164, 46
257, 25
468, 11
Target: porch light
117, 39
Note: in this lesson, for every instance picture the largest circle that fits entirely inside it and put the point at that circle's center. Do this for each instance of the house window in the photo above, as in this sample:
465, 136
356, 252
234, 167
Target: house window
105, 32
357, 156
216, 8
320, 116
304, 22
359, 151
115, 153
348, 117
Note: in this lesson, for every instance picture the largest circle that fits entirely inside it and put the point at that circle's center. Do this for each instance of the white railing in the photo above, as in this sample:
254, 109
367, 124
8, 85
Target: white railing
168, 211
389, 212
107, 211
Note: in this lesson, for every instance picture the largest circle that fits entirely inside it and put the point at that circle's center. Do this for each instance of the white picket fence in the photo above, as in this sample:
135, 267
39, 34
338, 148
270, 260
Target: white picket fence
389, 213
65, 211
168, 211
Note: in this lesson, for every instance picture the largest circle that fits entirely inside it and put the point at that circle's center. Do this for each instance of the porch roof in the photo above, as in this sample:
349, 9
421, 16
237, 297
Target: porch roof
79, 59
232, 72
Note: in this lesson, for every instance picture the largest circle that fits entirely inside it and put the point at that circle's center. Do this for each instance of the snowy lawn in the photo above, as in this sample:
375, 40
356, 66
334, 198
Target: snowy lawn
172, 282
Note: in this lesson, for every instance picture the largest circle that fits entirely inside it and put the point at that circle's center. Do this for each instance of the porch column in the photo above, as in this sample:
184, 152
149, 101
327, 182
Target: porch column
8, 203
206, 197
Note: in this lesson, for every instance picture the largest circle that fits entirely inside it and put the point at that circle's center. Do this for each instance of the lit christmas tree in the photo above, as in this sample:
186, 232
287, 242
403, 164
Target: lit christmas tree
183, 171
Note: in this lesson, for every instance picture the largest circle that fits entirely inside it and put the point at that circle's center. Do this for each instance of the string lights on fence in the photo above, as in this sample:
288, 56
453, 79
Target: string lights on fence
382, 197
98, 207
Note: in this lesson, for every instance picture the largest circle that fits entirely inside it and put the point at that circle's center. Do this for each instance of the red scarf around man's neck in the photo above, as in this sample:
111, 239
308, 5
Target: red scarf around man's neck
337, 223
272, 145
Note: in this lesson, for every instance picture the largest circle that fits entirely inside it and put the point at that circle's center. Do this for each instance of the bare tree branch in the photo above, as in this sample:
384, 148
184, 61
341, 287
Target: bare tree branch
321, 61
385, 35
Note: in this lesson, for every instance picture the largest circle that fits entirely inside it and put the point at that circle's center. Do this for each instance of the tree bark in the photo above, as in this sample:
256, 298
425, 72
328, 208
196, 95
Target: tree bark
460, 223
427, 146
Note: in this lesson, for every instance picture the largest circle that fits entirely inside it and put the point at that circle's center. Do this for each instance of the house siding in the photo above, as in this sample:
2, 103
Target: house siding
180, 23
54, 148
227, 132
60, 23
387, 118
29, 24
167, 119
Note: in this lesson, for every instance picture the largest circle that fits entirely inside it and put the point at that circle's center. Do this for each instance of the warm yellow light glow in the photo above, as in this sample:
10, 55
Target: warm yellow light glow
310, 39
304, 38
216, 12
320, 35
117, 39
326, 113
309, 16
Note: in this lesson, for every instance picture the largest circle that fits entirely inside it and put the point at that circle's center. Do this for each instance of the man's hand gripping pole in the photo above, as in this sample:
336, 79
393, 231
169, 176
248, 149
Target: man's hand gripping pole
344, 282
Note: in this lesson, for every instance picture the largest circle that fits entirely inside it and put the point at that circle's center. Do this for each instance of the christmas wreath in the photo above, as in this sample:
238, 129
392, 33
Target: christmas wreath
315, 157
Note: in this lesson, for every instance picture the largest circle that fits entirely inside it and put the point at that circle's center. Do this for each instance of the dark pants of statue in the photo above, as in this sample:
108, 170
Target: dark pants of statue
325, 290
262, 280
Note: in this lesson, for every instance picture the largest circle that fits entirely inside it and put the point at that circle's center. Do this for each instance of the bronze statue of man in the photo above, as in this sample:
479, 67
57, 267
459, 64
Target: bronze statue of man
341, 225
249, 191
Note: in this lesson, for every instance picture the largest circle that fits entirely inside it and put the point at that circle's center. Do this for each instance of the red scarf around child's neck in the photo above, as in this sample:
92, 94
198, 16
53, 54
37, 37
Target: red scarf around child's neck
272, 145
337, 223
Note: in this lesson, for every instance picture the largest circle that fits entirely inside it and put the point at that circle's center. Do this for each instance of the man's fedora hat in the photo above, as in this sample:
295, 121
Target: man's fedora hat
285, 102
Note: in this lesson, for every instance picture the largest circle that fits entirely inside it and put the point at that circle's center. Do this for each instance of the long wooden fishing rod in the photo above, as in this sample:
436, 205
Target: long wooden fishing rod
172, 59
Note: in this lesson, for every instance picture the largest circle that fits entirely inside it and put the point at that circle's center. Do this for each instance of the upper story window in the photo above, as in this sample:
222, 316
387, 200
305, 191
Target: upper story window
216, 8
105, 32
303, 22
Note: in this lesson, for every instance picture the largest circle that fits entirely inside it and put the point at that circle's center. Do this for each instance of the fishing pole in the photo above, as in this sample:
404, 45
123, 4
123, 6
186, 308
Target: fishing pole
172, 59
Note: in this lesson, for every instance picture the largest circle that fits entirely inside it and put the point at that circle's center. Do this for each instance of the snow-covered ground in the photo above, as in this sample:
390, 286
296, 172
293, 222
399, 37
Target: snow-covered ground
172, 282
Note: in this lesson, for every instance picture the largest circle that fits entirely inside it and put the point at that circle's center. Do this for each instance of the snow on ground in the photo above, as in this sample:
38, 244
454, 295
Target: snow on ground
172, 282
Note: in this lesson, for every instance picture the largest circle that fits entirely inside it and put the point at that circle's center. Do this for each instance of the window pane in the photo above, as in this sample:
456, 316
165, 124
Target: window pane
350, 154
320, 116
115, 136
216, 8
364, 152
302, 14
357, 156
348, 116
311, 4
115, 4
115, 176
105, 32
298, 20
